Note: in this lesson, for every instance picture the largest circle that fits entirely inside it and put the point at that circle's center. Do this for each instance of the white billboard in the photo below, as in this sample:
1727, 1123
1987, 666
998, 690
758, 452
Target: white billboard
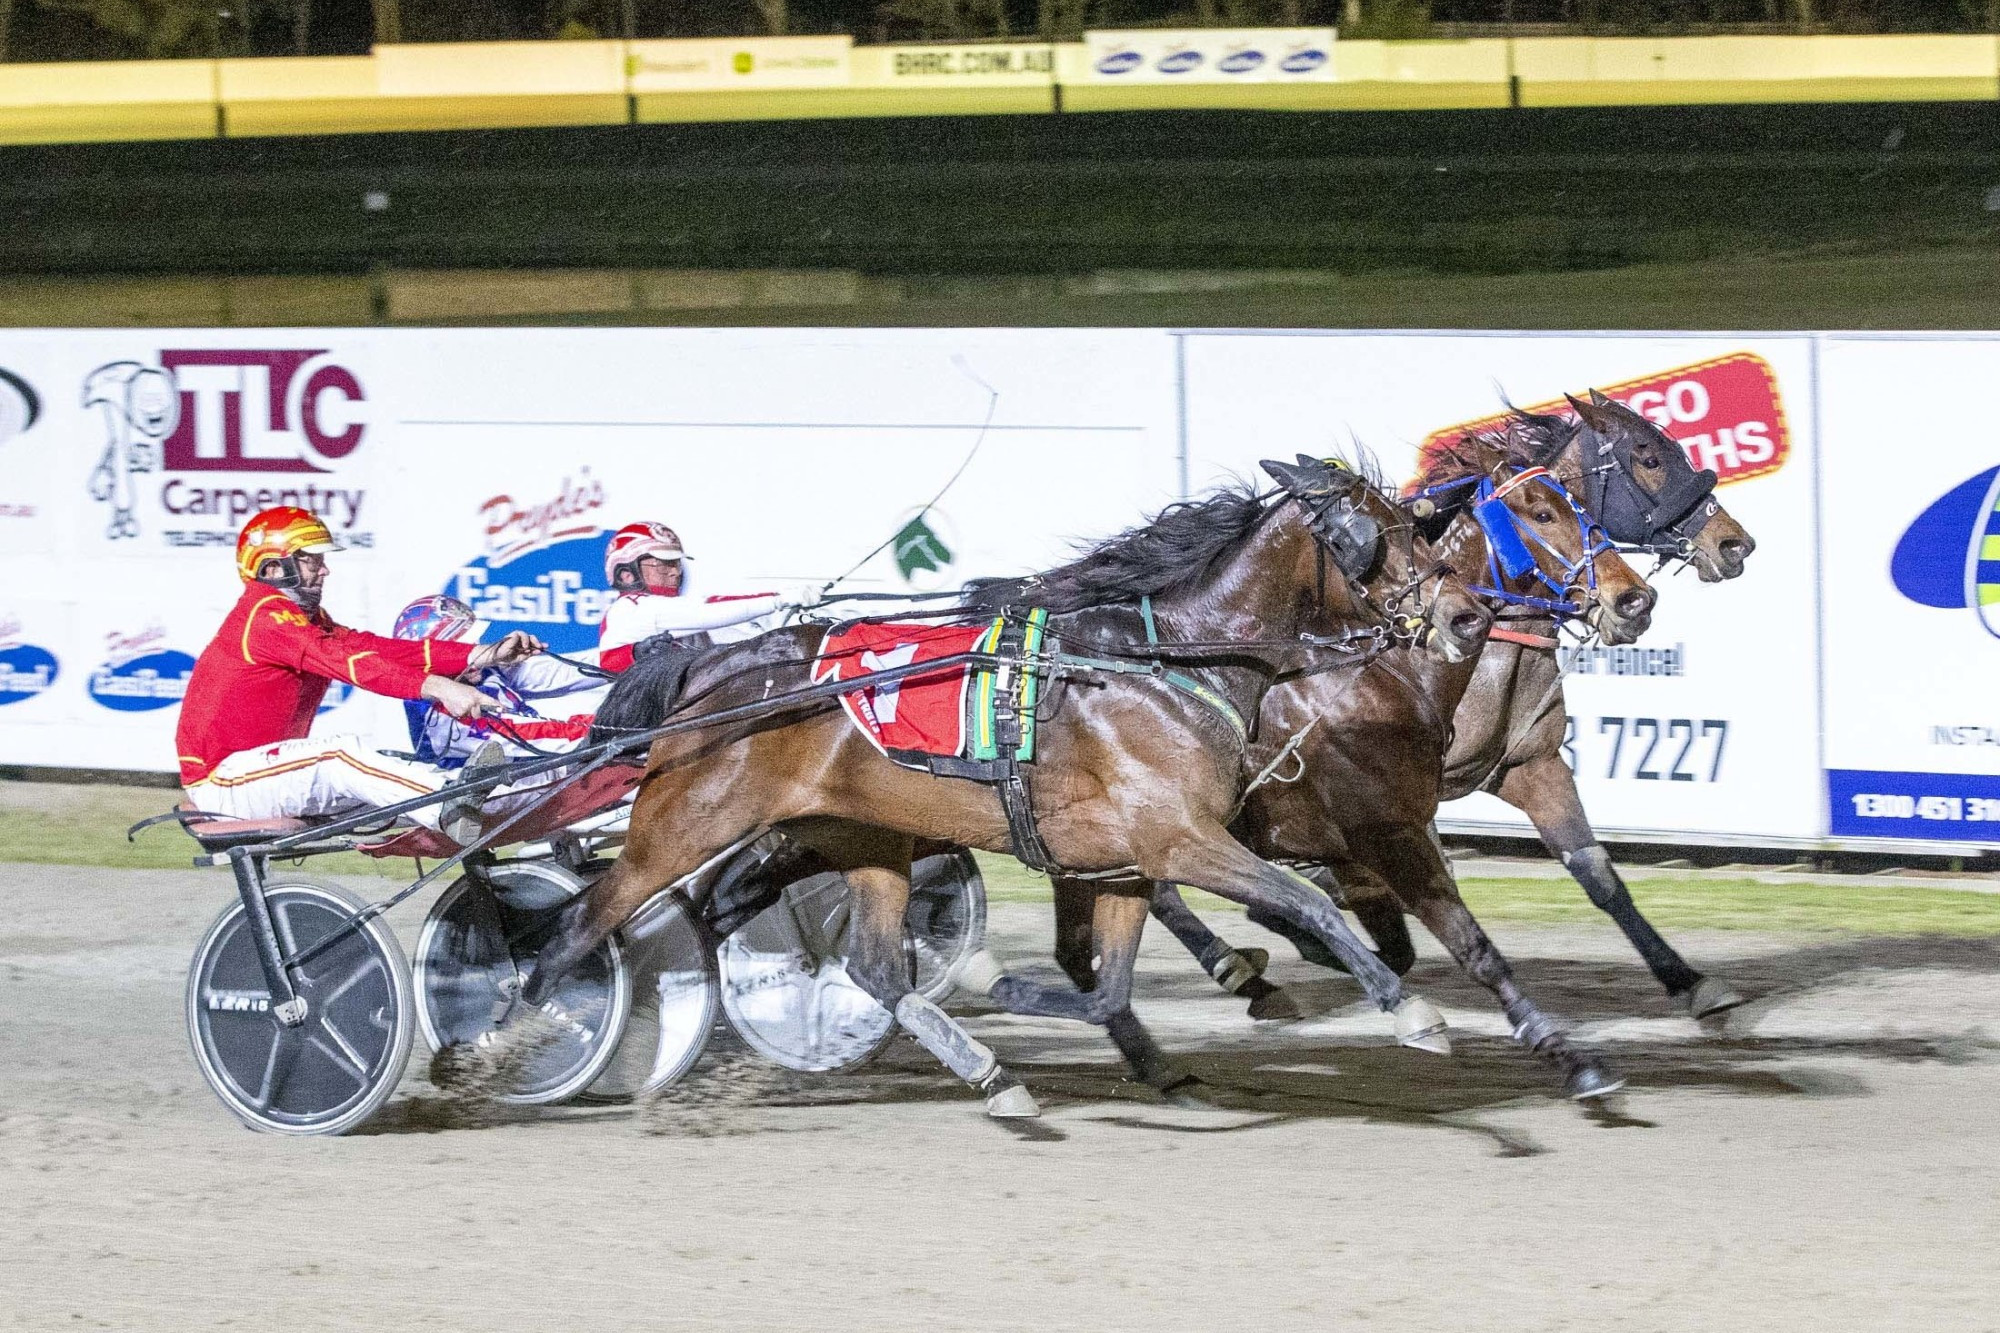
1209, 55
1715, 735
491, 464
1838, 688
1910, 587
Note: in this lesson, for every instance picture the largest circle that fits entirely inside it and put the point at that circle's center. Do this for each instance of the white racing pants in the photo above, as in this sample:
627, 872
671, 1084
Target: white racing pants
316, 775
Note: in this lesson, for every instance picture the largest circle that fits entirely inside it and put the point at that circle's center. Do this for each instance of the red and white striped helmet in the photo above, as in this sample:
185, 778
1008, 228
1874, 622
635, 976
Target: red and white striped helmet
635, 540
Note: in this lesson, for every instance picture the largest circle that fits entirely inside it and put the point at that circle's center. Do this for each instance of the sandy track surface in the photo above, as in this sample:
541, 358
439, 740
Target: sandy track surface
1828, 1158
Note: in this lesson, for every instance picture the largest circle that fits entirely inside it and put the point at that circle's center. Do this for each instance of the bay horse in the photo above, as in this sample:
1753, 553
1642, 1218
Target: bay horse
1508, 728
1359, 756
1134, 773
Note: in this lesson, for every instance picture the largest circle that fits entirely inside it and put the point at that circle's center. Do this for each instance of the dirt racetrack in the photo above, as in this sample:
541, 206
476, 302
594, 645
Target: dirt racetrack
1829, 1158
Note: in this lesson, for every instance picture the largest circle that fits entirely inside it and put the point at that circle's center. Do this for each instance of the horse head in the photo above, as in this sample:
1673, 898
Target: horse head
1369, 541
1541, 551
1639, 483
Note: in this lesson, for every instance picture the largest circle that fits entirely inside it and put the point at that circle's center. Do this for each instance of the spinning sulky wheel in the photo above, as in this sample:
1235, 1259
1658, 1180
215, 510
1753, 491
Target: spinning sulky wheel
675, 996
335, 1067
477, 948
785, 986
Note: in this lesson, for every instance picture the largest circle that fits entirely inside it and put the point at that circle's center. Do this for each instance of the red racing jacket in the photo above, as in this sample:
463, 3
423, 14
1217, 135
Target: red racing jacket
261, 679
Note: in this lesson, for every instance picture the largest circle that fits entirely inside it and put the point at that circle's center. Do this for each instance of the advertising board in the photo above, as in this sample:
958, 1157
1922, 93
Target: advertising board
1210, 55
1708, 725
1911, 590
493, 463
700, 64
979, 64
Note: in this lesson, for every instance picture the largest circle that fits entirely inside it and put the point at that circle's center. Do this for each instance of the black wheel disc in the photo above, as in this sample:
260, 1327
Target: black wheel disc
335, 1069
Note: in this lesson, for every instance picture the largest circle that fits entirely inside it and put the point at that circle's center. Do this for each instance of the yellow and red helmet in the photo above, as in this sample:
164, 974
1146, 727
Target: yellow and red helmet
279, 534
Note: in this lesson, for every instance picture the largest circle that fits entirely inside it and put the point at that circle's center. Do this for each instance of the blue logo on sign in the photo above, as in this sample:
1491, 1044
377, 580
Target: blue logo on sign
141, 684
1180, 62
1240, 62
556, 592
1950, 556
337, 693
25, 671
1304, 61
1120, 62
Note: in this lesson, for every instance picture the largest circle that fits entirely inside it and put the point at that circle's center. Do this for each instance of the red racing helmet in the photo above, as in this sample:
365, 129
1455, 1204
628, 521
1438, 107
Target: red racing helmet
636, 540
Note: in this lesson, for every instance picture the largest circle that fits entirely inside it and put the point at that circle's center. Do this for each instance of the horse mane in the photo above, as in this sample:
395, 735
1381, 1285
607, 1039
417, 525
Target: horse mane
1475, 456
1173, 552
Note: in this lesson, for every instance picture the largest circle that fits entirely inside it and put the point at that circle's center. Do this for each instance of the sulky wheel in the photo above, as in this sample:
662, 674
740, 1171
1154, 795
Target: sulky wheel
478, 946
675, 996
946, 917
785, 986
336, 1068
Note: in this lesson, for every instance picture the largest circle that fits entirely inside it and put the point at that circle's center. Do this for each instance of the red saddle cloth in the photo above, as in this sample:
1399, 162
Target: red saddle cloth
922, 713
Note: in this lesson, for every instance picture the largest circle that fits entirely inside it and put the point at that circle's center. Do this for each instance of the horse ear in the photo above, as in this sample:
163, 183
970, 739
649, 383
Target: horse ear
1283, 473
1593, 414
1600, 399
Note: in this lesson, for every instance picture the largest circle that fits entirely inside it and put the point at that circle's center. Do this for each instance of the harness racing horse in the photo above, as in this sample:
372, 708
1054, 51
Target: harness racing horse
1508, 730
1640, 485
1358, 755
1138, 770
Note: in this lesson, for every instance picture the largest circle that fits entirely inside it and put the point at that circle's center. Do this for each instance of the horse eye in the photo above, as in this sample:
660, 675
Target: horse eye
1545, 516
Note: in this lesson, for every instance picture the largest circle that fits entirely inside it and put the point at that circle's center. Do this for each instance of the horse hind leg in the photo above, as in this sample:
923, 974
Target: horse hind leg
1224, 867
1238, 971
881, 966
1098, 932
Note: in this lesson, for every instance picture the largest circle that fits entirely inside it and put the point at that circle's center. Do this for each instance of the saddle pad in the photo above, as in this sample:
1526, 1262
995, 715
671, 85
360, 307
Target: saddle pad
920, 714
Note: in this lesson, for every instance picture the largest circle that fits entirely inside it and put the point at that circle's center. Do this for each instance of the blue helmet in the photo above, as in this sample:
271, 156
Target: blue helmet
439, 617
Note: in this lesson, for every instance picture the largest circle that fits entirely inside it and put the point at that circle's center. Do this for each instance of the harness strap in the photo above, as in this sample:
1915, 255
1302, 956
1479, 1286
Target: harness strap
1522, 637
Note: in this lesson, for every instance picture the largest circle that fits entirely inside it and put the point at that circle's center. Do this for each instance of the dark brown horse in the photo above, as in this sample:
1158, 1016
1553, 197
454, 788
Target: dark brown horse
1508, 728
1357, 756
1139, 769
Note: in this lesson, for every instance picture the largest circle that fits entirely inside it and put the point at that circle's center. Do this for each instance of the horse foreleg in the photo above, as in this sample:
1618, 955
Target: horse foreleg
1238, 971
1413, 862
1544, 790
1223, 866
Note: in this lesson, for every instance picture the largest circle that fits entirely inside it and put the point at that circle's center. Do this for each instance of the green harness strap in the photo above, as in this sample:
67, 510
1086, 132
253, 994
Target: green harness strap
1025, 686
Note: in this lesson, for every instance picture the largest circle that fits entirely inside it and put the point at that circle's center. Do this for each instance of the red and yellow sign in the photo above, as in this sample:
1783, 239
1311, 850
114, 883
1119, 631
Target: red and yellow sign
1726, 413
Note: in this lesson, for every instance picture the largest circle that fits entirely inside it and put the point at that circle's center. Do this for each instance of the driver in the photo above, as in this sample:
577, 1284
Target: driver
547, 702
244, 748
644, 564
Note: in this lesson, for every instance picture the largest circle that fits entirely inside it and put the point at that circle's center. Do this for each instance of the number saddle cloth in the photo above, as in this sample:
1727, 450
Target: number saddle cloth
970, 718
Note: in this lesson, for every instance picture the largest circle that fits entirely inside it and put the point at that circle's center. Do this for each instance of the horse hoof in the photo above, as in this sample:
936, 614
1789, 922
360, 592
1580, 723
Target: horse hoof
1276, 1007
1258, 959
1710, 996
1015, 1103
1186, 1092
1421, 1026
979, 972
1590, 1080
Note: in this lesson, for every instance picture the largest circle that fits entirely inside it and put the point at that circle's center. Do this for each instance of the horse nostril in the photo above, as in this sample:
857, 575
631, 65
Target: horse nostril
1469, 625
1634, 602
1736, 550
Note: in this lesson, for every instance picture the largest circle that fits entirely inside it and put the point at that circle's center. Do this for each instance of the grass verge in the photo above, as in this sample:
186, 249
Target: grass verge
85, 826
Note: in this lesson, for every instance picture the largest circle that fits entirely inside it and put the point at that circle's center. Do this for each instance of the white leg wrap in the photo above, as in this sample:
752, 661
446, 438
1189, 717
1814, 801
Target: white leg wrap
941, 1035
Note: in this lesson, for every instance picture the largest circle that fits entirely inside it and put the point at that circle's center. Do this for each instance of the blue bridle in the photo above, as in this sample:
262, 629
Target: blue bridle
1508, 543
